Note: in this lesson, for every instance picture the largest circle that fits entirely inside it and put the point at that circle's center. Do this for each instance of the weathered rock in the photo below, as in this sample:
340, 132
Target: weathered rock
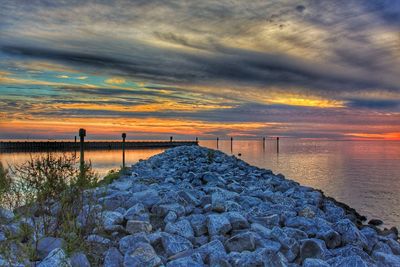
174, 244
237, 220
332, 238
350, 233
79, 260
350, 261
129, 241
171, 217
56, 257
310, 262
142, 254
134, 227
212, 250
385, 259
148, 198
199, 224
137, 212
47, 244
113, 258
182, 228
110, 219
311, 248
240, 242
6, 216
163, 209
189, 198
97, 239
194, 260
218, 224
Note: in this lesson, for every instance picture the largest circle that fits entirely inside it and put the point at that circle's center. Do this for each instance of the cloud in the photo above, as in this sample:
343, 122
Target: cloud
115, 80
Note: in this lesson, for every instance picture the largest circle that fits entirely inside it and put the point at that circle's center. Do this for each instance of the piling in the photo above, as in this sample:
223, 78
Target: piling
231, 144
217, 142
82, 134
123, 150
277, 145
197, 139
170, 138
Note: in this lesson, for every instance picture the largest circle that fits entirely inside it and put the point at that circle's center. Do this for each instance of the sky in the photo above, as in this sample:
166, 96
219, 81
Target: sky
155, 68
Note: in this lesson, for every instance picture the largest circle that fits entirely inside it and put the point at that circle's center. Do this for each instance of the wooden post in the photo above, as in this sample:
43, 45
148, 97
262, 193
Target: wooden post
123, 150
277, 145
217, 142
263, 143
231, 144
170, 138
82, 134
197, 139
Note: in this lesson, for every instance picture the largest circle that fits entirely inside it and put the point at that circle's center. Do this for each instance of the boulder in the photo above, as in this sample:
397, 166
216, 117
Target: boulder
148, 198
385, 259
199, 224
240, 242
237, 220
56, 257
110, 219
310, 262
174, 244
137, 212
163, 209
6, 216
212, 250
311, 248
182, 228
113, 258
218, 224
142, 254
47, 244
79, 259
350, 233
127, 242
332, 238
97, 239
134, 227
350, 261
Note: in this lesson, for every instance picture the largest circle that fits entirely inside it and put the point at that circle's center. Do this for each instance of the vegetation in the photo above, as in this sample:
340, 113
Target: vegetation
50, 191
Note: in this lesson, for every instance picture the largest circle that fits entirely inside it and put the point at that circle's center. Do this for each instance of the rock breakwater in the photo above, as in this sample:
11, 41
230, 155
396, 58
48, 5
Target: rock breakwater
192, 206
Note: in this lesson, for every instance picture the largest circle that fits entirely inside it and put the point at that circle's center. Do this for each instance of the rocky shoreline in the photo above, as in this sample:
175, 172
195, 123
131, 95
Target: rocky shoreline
193, 206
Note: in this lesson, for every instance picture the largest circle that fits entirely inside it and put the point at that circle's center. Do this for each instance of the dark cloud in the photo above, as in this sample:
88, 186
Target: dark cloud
375, 104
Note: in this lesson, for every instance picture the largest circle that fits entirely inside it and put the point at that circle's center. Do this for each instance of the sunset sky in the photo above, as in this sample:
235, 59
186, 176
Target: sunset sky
155, 68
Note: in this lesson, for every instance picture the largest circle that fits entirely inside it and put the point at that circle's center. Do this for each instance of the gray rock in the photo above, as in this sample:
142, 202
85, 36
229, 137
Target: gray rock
351, 261
311, 248
218, 202
134, 227
182, 228
79, 259
189, 198
113, 258
174, 244
241, 242
110, 219
137, 212
394, 245
142, 254
332, 238
148, 198
194, 260
129, 241
237, 220
47, 244
269, 221
57, 258
305, 224
350, 233
310, 262
171, 217
163, 209
6, 216
97, 239
271, 258
387, 260
218, 224
212, 250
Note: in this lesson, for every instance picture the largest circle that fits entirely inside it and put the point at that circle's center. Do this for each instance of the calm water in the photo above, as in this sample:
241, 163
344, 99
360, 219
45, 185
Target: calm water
363, 174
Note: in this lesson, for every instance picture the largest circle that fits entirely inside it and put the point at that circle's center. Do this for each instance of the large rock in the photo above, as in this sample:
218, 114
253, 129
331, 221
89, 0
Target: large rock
350, 261
174, 244
332, 238
310, 262
199, 224
148, 198
182, 228
47, 244
213, 250
129, 241
134, 227
194, 260
111, 219
237, 220
388, 260
218, 224
6, 216
56, 257
311, 248
79, 259
163, 209
142, 254
137, 212
113, 258
240, 242
350, 233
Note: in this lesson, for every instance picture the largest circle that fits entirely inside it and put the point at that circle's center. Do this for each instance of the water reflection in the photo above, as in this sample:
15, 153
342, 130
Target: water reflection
364, 175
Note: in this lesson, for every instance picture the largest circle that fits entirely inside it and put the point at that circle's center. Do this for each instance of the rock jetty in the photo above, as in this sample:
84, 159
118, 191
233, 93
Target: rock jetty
193, 206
